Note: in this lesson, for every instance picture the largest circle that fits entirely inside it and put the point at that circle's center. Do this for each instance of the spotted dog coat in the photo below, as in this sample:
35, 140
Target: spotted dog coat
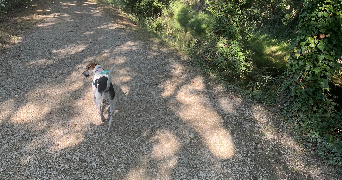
102, 86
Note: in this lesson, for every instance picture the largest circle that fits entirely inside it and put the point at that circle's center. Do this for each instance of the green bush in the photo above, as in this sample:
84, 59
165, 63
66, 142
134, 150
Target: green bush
230, 60
314, 61
145, 8
198, 23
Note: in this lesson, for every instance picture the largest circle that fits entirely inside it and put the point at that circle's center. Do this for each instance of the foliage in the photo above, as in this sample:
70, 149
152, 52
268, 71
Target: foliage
314, 61
238, 18
226, 58
269, 54
7, 5
229, 56
197, 23
182, 26
145, 8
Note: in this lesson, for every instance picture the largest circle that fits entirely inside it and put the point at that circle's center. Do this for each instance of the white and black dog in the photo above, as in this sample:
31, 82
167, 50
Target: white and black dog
102, 86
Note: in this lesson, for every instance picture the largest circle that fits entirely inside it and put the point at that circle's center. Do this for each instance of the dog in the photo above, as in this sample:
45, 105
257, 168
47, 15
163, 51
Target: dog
102, 86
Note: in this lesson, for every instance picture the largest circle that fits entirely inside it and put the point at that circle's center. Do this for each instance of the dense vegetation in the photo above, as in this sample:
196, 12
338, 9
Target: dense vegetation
316, 51
281, 52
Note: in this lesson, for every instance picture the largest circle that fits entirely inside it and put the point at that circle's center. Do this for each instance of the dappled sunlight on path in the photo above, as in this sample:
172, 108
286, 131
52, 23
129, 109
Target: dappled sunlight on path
46, 105
53, 109
163, 157
197, 111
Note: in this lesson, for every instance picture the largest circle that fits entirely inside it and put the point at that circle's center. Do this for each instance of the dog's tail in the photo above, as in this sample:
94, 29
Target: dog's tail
110, 77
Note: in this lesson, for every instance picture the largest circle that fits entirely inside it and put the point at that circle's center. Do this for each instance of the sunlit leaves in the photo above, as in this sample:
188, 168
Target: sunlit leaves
318, 46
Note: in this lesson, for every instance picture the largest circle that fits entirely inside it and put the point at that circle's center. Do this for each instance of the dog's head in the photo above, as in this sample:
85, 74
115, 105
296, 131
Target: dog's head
89, 68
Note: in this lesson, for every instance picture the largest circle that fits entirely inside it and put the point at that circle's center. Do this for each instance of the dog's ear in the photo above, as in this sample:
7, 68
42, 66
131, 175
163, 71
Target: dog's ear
91, 66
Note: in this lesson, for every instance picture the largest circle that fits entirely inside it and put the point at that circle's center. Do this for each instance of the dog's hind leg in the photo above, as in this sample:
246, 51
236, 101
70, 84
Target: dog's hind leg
111, 113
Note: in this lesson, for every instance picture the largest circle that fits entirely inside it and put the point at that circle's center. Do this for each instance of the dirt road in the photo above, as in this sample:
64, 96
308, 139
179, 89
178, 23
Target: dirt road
170, 121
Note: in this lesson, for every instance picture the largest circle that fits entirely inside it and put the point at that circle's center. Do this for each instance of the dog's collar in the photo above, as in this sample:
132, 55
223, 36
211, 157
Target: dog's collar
104, 72
101, 71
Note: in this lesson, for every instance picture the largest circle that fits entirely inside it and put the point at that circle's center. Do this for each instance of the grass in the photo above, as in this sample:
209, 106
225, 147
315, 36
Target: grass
269, 54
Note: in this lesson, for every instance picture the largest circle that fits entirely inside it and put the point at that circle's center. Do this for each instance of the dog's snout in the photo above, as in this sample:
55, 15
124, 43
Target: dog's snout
86, 73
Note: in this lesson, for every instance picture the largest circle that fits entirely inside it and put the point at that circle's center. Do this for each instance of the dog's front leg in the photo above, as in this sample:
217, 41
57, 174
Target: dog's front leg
99, 110
98, 105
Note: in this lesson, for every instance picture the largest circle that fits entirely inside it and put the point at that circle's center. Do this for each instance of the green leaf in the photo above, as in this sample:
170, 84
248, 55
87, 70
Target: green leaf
312, 45
321, 45
320, 14
322, 30
311, 40
321, 57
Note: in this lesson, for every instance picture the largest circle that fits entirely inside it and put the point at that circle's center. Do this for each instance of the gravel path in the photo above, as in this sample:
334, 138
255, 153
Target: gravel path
170, 121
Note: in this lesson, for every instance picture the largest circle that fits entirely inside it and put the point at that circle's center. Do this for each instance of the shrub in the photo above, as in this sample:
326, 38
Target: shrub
232, 60
198, 23
145, 8
310, 68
